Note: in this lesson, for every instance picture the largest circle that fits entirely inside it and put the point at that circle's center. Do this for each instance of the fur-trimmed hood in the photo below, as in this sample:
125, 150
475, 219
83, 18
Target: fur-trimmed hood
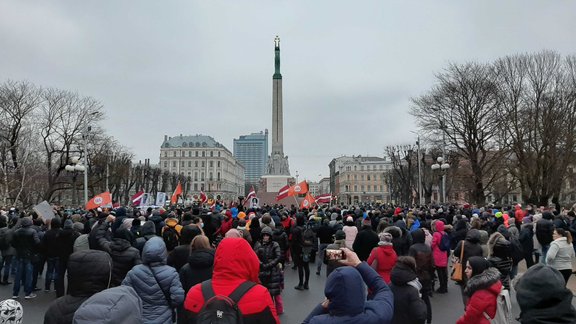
485, 280
395, 231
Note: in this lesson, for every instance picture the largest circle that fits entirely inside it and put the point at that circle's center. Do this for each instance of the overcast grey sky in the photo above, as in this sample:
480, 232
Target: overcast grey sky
349, 67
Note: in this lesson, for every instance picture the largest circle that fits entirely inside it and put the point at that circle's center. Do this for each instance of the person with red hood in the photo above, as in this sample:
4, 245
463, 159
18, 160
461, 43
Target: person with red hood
440, 258
235, 263
383, 257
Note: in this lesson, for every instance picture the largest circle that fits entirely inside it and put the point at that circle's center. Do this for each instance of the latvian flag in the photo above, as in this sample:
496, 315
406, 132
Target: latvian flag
324, 199
137, 198
283, 193
251, 194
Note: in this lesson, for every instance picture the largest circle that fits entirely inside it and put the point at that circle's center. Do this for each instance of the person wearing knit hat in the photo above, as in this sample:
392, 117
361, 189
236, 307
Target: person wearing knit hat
383, 257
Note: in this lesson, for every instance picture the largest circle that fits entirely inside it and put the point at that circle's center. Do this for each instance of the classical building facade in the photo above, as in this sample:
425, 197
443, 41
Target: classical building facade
358, 179
252, 151
210, 165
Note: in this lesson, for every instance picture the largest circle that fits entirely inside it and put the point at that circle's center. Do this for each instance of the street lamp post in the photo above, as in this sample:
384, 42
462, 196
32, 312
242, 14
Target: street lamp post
420, 198
76, 166
442, 166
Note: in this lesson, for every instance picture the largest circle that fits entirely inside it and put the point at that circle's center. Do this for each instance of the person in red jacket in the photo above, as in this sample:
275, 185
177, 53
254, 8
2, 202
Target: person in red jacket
383, 257
482, 288
440, 257
235, 262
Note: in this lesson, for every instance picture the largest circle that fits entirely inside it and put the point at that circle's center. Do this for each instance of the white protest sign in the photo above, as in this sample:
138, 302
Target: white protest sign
45, 210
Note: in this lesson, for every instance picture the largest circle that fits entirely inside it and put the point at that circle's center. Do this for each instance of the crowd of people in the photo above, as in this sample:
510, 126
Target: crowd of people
193, 264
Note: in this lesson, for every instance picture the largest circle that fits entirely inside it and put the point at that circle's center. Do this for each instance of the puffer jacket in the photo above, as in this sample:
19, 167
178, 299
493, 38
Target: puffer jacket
9, 237
25, 239
409, 308
198, 268
89, 272
235, 263
270, 274
147, 231
386, 258
424, 263
348, 304
111, 306
440, 257
483, 290
151, 278
124, 258
501, 257
560, 254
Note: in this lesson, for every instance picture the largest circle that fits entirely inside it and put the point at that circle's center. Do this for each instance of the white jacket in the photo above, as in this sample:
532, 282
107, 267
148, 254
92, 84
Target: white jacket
560, 254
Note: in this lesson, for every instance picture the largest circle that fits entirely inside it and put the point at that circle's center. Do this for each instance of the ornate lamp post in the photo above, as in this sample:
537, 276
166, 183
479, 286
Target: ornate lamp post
442, 166
77, 166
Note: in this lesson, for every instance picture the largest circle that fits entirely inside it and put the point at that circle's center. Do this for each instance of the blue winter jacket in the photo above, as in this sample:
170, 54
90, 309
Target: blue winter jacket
155, 306
346, 292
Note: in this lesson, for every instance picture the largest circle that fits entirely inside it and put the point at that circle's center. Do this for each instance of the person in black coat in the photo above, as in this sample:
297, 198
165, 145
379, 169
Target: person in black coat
544, 230
179, 256
147, 231
472, 248
409, 308
365, 240
422, 254
527, 240
89, 272
199, 268
51, 245
100, 236
270, 275
124, 256
325, 234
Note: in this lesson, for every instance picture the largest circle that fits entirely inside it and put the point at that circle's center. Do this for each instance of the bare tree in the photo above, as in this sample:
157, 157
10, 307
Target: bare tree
463, 108
404, 169
538, 95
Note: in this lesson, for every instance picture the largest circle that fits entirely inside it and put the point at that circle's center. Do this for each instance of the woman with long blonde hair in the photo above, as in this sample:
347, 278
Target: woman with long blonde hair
561, 252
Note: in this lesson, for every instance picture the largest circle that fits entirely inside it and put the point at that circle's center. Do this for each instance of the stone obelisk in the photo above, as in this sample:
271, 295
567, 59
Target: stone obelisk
277, 162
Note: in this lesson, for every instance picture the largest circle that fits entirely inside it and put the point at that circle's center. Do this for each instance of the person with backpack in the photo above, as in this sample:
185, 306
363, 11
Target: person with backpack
304, 244
171, 233
236, 270
156, 283
440, 256
483, 288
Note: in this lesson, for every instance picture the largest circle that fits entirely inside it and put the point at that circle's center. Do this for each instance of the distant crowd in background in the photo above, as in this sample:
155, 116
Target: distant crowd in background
202, 263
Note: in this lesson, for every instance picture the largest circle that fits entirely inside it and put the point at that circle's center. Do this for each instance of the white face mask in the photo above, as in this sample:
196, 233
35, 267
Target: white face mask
201, 225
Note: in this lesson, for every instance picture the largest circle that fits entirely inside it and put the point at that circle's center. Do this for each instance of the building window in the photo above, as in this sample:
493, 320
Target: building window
368, 177
347, 177
189, 164
347, 188
165, 164
211, 153
203, 154
182, 164
195, 176
203, 164
195, 187
218, 176
196, 153
361, 168
211, 176
189, 153
355, 177
196, 163
165, 154
174, 153
362, 177
218, 163
202, 176
211, 163
218, 153
173, 164
354, 168
362, 188
368, 188
355, 188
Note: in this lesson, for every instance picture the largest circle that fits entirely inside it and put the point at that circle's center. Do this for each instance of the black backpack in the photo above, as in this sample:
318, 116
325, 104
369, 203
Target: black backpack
445, 243
171, 237
220, 309
308, 237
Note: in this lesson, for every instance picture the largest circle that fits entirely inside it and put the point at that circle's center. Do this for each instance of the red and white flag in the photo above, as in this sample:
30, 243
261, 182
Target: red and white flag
137, 198
324, 199
307, 202
251, 194
283, 193
203, 197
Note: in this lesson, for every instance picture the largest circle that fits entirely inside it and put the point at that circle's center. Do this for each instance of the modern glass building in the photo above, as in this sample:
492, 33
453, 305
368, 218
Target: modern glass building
252, 151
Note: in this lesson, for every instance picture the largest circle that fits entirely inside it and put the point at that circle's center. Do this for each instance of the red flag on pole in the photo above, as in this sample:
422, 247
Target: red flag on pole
283, 193
177, 192
99, 200
298, 189
308, 201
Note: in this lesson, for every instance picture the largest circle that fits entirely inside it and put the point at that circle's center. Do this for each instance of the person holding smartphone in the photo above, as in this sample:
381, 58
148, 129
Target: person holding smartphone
346, 299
